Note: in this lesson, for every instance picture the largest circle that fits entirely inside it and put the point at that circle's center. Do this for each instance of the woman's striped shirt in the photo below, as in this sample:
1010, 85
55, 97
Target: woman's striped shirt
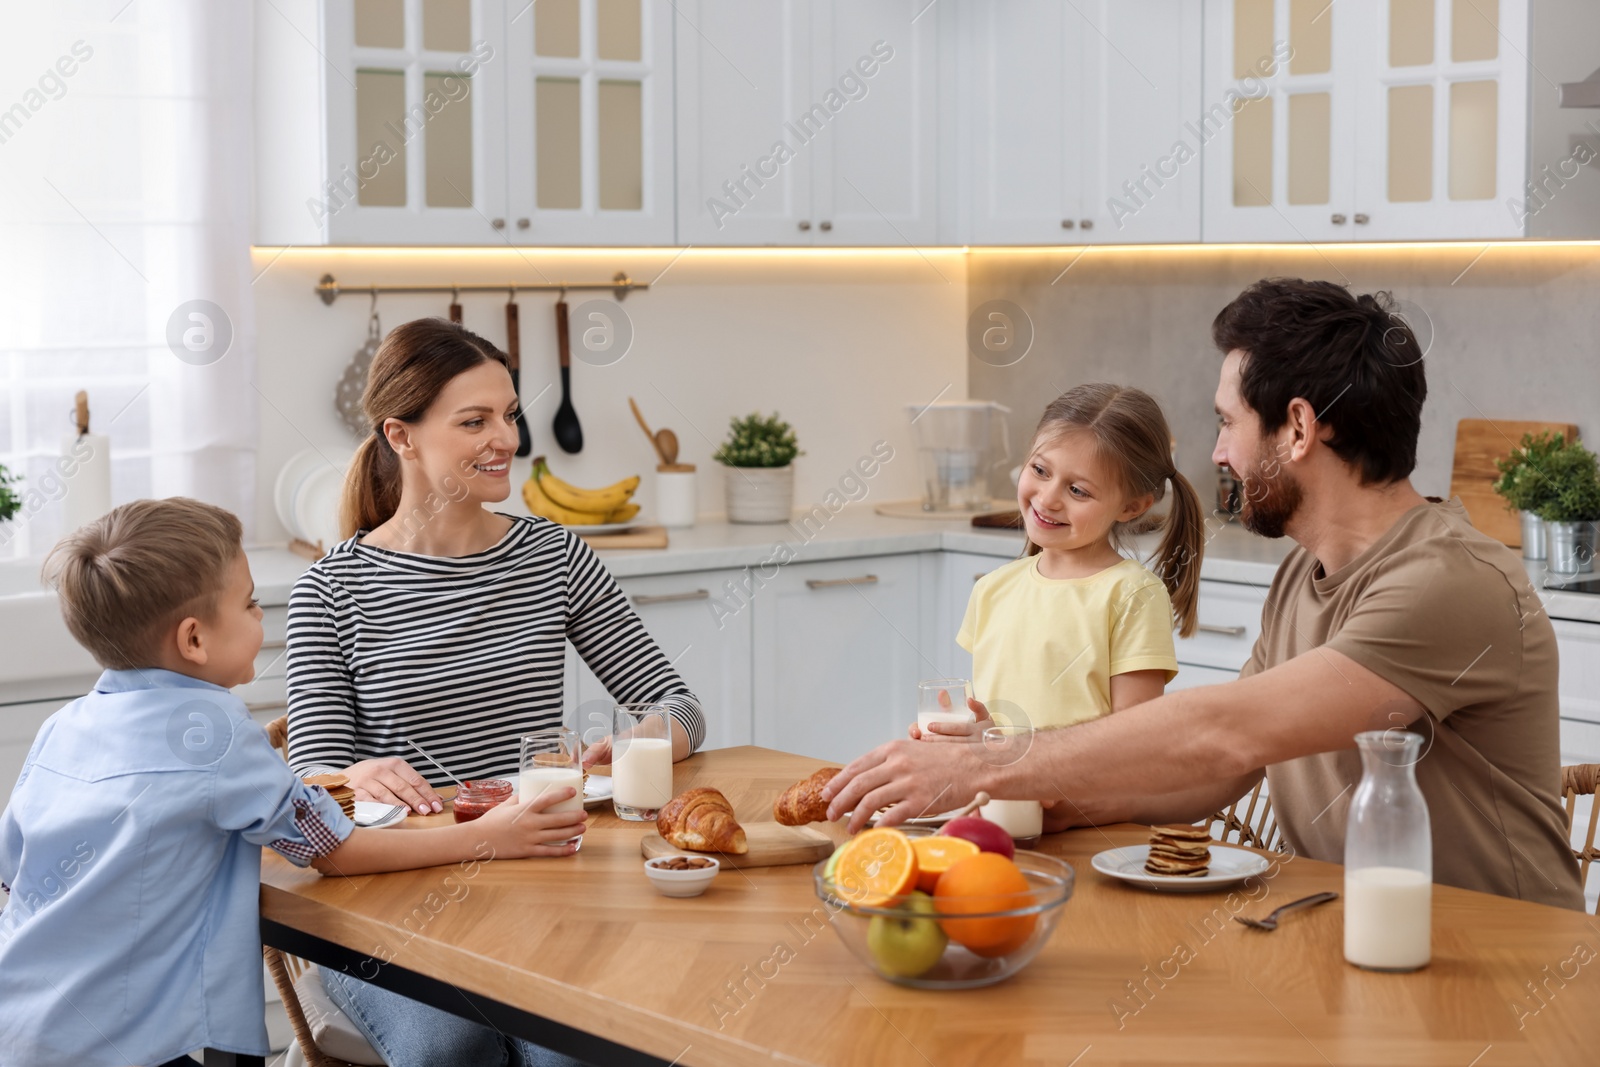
462, 655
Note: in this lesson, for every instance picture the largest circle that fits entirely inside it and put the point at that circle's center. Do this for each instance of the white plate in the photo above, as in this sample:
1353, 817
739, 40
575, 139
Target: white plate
1229, 866
370, 815
606, 527
316, 505
290, 476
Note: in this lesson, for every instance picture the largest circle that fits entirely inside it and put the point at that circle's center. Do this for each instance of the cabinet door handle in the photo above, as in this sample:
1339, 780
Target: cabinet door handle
523, 224
1067, 224
829, 583
805, 224
1362, 220
269, 646
1086, 224
979, 576
1338, 220
1226, 631
825, 225
265, 705
667, 598
498, 224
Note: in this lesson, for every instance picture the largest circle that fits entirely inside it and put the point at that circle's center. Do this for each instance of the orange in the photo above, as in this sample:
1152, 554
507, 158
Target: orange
935, 855
875, 866
984, 883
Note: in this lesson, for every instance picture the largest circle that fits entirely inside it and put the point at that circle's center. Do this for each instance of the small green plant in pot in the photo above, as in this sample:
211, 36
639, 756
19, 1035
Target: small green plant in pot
1572, 510
10, 499
1525, 485
758, 461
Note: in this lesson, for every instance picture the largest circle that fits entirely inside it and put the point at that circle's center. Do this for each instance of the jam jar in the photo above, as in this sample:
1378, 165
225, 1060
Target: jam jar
479, 795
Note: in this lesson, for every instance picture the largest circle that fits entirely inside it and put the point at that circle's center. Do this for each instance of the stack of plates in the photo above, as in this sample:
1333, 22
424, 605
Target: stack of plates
306, 495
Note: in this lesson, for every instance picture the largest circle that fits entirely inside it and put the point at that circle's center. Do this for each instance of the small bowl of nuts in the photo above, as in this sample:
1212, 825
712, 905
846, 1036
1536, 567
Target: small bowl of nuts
681, 876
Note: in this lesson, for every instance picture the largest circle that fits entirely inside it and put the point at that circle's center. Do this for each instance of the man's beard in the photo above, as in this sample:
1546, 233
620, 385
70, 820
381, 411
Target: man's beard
1268, 502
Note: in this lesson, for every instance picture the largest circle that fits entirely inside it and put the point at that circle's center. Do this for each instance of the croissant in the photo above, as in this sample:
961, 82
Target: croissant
701, 819
802, 802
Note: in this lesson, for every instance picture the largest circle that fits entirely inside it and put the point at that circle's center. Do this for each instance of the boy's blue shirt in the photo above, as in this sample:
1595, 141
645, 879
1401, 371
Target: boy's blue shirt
132, 851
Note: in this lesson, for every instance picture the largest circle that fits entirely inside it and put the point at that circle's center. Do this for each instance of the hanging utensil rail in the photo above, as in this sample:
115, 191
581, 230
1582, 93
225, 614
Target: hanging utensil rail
620, 285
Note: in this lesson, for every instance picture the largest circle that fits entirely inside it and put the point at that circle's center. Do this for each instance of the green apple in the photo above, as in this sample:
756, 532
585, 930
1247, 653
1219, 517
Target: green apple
833, 863
907, 946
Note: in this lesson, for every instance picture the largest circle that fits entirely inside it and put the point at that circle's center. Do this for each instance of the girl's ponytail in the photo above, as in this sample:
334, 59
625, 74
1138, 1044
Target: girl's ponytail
409, 371
1178, 558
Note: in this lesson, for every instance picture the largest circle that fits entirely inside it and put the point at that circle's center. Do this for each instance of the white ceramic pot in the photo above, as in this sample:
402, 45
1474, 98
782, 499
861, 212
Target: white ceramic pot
759, 494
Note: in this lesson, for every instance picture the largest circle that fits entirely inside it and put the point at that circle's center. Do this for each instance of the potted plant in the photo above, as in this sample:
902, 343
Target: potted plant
10, 501
758, 460
1525, 485
1573, 508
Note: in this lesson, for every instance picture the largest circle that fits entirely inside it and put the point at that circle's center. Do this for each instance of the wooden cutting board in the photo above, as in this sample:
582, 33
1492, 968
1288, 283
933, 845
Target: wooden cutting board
1479, 442
638, 537
771, 845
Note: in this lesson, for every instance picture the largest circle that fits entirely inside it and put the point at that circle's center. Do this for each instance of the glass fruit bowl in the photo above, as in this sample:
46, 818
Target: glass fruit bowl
929, 942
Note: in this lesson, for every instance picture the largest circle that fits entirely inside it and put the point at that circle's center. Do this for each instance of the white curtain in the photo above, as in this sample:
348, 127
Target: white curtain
126, 163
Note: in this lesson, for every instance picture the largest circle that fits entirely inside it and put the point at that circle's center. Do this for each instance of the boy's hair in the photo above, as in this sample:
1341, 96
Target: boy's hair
1130, 433
128, 577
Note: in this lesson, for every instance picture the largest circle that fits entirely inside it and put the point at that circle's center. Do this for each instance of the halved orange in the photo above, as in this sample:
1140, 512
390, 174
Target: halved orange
935, 855
875, 866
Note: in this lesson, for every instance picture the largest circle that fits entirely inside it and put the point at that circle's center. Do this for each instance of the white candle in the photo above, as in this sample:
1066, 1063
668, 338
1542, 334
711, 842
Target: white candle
1019, 818
536, 781
641, 773
86, 471
1387, 918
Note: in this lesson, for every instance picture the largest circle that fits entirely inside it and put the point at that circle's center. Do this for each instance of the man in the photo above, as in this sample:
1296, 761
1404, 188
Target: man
1392, 613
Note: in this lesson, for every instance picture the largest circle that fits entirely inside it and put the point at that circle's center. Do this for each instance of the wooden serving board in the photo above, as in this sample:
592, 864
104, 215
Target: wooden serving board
771, 845
638, 537
1479, 442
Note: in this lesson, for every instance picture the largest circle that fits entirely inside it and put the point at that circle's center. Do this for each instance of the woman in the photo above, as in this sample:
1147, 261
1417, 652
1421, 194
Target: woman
440, 624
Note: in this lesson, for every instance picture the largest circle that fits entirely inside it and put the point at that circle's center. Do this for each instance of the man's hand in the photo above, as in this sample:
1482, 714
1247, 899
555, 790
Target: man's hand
391, 780
907, 777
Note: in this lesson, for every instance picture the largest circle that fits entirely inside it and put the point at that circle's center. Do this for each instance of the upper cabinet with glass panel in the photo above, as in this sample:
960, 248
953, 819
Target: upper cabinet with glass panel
1365, 119
589, 113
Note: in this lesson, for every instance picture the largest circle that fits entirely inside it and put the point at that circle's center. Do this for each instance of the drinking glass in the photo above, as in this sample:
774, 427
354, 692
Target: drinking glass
943, 700
1022, 819
553, 759
641, 760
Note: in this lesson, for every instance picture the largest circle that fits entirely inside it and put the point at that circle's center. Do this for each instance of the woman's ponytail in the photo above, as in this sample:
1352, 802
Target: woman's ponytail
409, 371
1178, 558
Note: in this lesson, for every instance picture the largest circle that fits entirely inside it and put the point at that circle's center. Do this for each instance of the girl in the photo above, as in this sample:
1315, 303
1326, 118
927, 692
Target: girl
443, 623
1073, 630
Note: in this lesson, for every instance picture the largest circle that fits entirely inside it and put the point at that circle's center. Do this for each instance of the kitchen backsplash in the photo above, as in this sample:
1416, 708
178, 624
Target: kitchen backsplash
838, 343
1515, 331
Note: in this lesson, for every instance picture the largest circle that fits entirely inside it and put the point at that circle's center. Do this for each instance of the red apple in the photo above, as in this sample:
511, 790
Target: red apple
988, 836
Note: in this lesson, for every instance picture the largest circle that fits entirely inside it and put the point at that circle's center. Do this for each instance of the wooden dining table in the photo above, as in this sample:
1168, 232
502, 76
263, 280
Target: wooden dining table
582, 955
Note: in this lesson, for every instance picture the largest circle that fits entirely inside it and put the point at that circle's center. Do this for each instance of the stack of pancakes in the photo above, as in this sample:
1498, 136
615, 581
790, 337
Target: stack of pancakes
338, 787
1179, 851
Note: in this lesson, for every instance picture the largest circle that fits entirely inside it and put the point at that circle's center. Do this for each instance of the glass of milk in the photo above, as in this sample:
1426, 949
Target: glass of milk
552, 759
641, 760
1022, 819
943, 700
1388, 858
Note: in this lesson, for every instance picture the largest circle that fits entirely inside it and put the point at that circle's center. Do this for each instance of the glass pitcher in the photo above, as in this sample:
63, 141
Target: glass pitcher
1388, 858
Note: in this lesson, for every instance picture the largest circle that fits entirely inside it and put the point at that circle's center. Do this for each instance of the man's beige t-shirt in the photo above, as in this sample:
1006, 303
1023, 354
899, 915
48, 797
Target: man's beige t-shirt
1448, 615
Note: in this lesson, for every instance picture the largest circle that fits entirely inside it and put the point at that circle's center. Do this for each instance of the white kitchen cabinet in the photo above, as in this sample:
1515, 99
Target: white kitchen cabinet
1229, 617
1073, 118
1364, 120
701, 629
806, 122
467, 122
1579, 648
19, 725
836, 658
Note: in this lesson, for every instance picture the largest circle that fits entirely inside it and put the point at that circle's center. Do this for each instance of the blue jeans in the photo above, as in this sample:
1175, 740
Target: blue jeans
407, 1033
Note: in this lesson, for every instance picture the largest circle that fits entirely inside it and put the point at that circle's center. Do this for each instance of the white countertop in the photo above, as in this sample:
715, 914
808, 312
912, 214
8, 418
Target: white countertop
1232, 553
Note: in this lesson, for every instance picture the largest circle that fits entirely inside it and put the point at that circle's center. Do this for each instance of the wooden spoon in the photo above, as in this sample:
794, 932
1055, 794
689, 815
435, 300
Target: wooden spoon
666, 443
655, 439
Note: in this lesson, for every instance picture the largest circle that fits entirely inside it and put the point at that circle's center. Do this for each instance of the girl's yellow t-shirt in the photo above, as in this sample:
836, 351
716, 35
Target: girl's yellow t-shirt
1044, 650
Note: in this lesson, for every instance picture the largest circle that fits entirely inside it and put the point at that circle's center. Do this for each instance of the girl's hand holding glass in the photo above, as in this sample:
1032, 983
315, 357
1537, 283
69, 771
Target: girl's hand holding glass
956, 731
532, 827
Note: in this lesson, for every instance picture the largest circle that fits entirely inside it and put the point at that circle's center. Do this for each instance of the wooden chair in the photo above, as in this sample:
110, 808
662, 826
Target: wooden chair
1577, 781
1254, 826
299, 985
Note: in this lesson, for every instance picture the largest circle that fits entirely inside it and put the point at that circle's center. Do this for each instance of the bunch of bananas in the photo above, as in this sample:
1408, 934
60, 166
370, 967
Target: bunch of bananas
550, 497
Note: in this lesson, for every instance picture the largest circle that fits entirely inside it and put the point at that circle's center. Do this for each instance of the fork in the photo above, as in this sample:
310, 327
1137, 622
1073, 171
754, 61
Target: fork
1271, 921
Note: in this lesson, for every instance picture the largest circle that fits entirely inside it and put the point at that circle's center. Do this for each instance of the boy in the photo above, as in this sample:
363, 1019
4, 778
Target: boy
131, 848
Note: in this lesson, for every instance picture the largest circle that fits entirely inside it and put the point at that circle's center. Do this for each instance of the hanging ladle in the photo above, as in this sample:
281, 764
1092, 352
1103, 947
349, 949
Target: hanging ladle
568, 434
